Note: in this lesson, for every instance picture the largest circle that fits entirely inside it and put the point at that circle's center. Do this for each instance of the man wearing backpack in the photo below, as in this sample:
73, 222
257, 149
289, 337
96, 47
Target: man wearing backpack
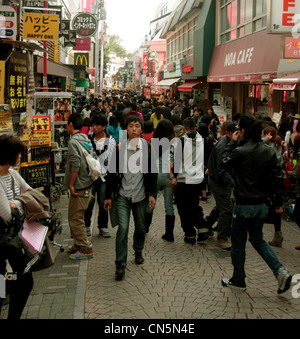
79, 183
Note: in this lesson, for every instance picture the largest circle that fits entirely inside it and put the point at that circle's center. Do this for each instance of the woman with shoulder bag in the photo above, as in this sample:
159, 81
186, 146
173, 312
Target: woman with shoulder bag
11, 186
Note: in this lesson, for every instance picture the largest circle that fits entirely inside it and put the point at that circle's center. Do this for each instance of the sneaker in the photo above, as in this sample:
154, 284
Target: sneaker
88, 231
81, 255
104, 233
284, 279
224, 244
297, 248
203, 199
139, 258
190, 240
231, 283
120, 272
72, 249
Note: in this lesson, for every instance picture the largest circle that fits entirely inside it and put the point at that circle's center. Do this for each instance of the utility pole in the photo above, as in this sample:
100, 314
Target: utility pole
97, 51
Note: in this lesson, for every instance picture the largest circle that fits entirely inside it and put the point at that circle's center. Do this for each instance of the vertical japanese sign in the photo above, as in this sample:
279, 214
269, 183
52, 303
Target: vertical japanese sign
137, 67
18, 82
145, 63
2, 81
40, 26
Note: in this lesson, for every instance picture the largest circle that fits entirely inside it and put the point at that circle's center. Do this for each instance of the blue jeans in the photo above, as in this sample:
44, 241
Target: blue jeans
163, 180
124, 206
250, 218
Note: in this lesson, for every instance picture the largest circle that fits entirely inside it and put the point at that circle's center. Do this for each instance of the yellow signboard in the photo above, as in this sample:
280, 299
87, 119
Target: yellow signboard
40, 131
5, 121
41, 26
2, 79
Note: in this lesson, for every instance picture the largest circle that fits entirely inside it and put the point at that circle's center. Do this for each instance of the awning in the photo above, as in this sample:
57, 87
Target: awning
253, 58
27, 45
188, 86
166, 83
287, 83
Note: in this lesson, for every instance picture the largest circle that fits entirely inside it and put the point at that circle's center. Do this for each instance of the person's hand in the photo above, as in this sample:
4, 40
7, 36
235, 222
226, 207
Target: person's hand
152, 203
173, 182
279, 210
107, 204
236, 135
73, 191
12, 204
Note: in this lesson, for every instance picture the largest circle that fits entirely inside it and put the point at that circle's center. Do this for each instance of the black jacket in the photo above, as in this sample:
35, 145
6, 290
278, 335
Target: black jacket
114, 178
215, 164
256, 173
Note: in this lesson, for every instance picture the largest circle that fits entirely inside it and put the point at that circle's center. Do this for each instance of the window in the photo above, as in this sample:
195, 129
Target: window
241, 17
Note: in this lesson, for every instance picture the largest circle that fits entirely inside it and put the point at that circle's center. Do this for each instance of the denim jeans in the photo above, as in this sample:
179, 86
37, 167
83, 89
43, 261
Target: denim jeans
250, 218
163, 180
124, 206
99, 190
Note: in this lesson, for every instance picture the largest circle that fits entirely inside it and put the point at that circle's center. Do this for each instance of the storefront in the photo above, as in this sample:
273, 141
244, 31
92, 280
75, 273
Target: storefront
167, 87
245, 69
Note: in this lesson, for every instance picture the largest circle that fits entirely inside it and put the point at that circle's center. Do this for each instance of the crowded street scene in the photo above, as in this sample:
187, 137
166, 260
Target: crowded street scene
150, 174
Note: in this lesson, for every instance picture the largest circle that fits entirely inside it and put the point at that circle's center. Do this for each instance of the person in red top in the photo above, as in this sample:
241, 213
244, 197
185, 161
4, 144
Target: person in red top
58, 116
148, 130
133, 111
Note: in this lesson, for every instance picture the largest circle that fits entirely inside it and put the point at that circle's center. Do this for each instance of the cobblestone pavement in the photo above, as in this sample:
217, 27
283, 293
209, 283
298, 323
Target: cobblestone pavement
176, 281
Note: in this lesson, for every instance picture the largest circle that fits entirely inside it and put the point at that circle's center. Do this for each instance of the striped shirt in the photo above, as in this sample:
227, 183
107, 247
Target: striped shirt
8, 182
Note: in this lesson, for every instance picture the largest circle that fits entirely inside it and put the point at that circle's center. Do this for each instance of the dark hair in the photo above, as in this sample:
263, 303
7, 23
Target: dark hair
134, 118
252, 127
148, 126
99, 119
203, 130
87, 122
206, 119
189, 124
10, 148
275, 136
164, 129
76, 120
113, 121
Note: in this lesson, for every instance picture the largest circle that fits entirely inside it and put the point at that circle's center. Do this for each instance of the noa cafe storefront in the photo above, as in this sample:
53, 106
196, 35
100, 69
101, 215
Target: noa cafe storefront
245, 69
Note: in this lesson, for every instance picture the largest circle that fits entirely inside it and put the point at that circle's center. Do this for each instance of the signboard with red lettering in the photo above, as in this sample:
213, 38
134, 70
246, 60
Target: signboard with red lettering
8, 22
284, 17
292, 48
85, 24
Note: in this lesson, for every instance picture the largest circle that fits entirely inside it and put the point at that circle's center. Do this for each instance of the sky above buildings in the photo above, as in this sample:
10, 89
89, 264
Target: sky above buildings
130, 20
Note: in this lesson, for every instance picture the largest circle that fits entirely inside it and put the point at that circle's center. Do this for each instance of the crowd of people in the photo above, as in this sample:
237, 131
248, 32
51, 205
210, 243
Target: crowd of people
145, 146
220, 159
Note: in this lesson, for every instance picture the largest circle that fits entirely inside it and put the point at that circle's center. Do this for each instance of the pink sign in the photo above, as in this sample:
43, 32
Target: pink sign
292, 48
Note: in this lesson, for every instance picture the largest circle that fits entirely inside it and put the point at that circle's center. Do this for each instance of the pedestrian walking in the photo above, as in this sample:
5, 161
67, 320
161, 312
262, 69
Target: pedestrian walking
162, 137
103, 147
221, 184
187, 173
79, 184
133, 185
11, 186
257, 177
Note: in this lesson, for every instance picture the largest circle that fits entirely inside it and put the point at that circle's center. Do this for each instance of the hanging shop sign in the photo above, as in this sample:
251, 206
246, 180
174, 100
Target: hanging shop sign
145, 63
85, 24
291, 47
17, 82
69, 39
40, 26
8, 22
64, 27
82, 44
81, 59
284, 16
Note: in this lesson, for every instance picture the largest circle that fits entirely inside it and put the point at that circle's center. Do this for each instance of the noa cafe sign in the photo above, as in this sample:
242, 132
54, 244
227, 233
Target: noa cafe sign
285, 17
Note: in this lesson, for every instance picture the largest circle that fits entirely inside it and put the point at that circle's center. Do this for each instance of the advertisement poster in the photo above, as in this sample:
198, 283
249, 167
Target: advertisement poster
5, 119
17, 82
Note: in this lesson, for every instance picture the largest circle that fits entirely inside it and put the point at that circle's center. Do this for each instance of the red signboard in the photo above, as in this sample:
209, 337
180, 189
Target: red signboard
82, 44
145, 63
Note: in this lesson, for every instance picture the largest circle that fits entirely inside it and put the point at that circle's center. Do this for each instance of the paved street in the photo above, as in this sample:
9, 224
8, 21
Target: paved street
177, 280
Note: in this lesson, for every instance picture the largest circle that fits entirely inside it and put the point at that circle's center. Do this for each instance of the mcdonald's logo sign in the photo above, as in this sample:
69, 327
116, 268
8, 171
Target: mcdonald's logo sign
81, 59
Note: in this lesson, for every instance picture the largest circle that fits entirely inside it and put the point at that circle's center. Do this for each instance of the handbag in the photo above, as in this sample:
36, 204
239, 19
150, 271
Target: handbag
93, 164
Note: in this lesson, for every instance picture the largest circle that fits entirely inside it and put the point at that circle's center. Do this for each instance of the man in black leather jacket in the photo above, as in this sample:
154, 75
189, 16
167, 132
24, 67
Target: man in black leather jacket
257, 178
